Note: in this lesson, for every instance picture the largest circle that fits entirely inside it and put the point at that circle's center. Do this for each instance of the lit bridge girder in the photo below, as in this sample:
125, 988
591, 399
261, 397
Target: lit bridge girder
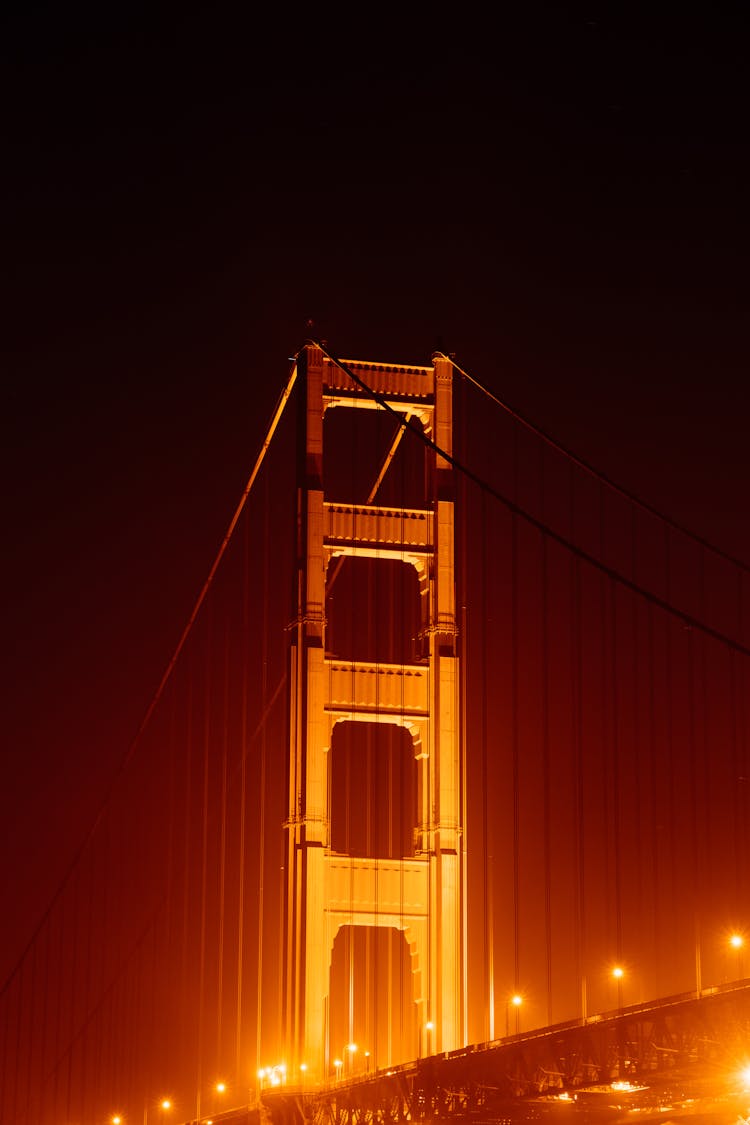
657, 1055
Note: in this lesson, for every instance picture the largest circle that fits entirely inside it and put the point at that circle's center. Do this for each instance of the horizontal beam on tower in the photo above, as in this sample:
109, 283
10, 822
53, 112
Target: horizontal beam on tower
388, 689
402, 529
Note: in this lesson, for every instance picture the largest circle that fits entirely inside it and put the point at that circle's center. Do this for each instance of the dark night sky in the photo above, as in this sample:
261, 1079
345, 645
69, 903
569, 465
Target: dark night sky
562, 201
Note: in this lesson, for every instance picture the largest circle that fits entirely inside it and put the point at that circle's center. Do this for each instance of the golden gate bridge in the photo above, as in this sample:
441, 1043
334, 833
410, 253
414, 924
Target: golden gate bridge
440, 808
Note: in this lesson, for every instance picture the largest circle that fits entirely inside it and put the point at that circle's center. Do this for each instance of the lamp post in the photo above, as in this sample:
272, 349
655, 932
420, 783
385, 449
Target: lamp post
618, 973
351, 1050
516, 1000
737, 943
218, 1088
337, 1065
164, 1104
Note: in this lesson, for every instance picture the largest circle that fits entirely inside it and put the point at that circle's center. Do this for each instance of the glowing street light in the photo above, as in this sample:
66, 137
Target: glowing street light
737, 943
516, 1000
618, 974
337, 1065
220, 1087
116, 1119
164, 1105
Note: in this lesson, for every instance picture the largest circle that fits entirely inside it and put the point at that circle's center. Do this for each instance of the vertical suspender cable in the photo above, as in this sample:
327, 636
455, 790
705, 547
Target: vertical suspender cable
654, 783
606, 797
515, 704
706, 784
204, 870
463, 651
328, 1042
641, 865
171, 842
84, 991
489, 936
737, 790
73, 980
670, 772
185, 968
29, 1052
580, 820
351, 748
546, 791
616, 787
46, 988
693, 778
700, 831
263, 763
371, 850
576, 664
516, 753
60, 910
241, 845
547, 814
742, 788
742, 671
220, 951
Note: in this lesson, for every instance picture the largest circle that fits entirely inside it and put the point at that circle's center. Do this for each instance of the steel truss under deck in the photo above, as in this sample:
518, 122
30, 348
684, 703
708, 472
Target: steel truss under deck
646, 1058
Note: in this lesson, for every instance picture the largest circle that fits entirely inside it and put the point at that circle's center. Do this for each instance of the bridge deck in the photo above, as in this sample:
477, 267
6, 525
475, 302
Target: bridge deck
679, 1055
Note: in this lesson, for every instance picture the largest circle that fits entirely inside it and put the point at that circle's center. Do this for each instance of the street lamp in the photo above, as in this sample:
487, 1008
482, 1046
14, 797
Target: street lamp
351, 1050
737, 943
516, 1000
337, 1065
618, 973
367, 1062
164, 1104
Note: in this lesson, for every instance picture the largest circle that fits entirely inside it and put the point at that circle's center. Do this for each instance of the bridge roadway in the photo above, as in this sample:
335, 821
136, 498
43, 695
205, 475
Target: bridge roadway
679, 1056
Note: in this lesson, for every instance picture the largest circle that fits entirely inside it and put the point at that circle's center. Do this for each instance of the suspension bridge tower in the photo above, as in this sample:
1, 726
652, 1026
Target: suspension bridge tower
420, 894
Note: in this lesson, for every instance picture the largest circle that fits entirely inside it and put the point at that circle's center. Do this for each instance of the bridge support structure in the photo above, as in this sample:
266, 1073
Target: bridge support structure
421, 894
684, 1056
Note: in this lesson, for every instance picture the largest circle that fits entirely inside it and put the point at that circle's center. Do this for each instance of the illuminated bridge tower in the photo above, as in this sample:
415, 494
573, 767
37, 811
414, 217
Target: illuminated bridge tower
421, 894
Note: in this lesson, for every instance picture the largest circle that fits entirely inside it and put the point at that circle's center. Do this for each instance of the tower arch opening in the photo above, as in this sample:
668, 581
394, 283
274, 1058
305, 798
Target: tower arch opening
373, 610
371, 458
373, 790
373, 1000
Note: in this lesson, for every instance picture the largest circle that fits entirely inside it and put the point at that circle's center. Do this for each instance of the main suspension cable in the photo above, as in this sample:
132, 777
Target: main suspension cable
271, 429
615, 575
597, 474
